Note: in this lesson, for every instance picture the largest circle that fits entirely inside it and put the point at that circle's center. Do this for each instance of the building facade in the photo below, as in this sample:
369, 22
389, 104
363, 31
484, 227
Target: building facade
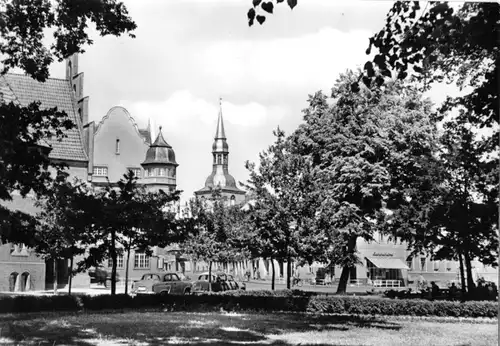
20, 268
121, 146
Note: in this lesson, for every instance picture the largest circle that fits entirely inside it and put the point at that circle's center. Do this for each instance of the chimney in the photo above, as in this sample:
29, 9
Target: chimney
83, 110
88, 139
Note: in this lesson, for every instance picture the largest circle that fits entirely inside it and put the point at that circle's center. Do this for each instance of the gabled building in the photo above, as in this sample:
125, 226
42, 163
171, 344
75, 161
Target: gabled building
119, 146
20, 268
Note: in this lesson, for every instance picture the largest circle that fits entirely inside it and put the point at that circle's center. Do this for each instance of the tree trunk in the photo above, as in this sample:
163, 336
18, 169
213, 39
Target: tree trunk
470, 280
70, 274
462, 274
54, 276
113, 258
344, 277
209, 276
288, 272
126, 270
273, 275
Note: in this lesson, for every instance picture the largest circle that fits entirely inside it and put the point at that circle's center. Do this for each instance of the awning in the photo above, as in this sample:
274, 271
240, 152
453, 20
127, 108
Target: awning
387, 263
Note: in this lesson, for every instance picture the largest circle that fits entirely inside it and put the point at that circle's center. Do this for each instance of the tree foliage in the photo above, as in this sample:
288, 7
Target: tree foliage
214, 231
24, 26
283, 215
128, 218
437, 43
367, 150
61, 231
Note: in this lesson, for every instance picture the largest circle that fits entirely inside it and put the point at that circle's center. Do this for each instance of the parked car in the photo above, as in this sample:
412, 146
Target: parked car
218, 283
161, 283
101, 276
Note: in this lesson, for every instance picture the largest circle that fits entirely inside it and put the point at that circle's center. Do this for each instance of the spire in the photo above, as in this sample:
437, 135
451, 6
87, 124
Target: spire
220, 133
160, 141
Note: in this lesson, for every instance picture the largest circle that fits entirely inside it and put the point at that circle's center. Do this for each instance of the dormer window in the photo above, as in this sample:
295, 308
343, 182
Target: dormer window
117, 147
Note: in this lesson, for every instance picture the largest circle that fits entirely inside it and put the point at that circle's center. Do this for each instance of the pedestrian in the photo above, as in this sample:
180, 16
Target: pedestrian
434, 290
453, 291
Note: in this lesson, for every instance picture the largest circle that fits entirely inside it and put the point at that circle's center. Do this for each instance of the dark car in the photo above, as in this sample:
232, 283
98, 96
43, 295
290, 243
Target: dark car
218, 283
161, 283
101, 276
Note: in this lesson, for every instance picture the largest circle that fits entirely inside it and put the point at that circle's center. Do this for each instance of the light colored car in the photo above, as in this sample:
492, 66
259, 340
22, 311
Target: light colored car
218, 283
161, 283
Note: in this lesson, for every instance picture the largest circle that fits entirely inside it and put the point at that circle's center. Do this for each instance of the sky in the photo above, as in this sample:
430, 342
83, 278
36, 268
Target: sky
189, 53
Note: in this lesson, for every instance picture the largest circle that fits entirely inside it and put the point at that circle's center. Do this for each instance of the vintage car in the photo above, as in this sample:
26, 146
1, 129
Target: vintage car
219, 282
101, 276
161, 283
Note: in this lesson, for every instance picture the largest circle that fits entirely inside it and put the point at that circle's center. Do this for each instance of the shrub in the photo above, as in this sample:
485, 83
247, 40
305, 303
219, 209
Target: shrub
264, 301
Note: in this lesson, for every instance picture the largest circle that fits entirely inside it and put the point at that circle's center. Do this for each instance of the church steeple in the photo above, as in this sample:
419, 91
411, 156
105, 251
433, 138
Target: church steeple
220, 177
220, 133
220, 149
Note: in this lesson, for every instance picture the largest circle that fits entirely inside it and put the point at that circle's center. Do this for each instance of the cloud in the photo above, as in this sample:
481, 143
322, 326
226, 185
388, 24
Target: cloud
312, 61
181, 110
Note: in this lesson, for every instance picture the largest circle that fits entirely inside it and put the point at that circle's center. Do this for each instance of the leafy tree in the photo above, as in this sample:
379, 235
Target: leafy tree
284, 194
148, 224
24, 160
24, 131
462, 223
128, 216
214, 231
60, 232
367, 149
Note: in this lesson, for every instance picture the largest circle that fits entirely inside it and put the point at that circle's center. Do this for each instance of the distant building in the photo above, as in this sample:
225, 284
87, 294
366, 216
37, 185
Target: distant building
20, 268
220, 177
119, 146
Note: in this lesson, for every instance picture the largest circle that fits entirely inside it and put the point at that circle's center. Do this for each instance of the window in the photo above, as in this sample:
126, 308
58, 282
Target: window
380, 237
101, 171
141, 260
162, 172
436, 265
409, 262
136, 171
233, 200
422, 263
160, 263
117, 147
119, 262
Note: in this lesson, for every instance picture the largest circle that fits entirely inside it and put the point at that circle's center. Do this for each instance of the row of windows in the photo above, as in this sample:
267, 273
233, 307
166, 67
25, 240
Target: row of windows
423, 264
141, 261
102, 171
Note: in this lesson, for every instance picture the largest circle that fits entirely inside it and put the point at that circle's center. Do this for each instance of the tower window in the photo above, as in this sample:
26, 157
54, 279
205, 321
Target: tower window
100, 171
117, 147
162, 172
233, 200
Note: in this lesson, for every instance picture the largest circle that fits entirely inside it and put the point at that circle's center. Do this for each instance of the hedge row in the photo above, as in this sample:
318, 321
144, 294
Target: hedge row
240, 301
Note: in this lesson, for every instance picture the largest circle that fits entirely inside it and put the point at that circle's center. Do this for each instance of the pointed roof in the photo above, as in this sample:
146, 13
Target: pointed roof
160, 152
160, 141
220, 133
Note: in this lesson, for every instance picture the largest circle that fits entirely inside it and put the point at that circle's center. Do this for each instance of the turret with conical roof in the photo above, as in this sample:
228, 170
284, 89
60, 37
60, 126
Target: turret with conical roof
220, 177
160, 165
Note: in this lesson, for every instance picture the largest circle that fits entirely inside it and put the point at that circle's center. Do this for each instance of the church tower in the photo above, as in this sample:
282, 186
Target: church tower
160, 166
220, 177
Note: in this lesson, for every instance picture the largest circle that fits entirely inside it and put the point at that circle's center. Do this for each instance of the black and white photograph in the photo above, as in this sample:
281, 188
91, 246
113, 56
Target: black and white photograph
249, 172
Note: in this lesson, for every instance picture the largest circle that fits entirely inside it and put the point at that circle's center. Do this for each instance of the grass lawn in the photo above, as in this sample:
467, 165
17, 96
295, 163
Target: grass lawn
163, 328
